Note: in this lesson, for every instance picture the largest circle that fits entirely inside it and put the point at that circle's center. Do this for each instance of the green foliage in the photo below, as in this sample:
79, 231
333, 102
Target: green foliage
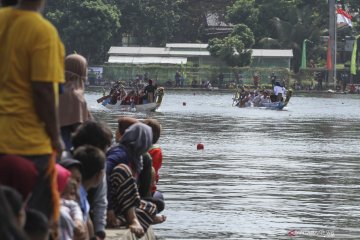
291, 23
244, 12
90, 27
234, 49
151, 22
86, 27
192, 22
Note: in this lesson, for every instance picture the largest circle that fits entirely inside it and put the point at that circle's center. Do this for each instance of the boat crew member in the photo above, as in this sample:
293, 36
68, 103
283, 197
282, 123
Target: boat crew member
279, 91
150, 91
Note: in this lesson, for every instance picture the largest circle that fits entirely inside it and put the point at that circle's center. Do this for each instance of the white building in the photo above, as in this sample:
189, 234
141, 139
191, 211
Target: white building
194, 54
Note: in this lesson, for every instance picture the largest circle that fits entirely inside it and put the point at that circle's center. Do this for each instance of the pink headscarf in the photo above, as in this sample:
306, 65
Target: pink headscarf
63, 176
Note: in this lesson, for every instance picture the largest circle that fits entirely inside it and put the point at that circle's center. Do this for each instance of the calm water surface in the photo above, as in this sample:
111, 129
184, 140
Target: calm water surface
263, 173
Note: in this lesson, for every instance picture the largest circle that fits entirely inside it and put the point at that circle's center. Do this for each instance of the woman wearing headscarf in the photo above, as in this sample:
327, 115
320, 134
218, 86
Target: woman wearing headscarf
72, 105
123, 166
144, 177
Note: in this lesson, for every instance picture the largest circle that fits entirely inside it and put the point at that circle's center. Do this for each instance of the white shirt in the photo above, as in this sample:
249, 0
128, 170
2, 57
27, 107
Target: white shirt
278, 89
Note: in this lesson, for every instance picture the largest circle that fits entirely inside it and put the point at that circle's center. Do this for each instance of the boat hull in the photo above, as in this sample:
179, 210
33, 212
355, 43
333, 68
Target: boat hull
274, 105
148, 107
266, 105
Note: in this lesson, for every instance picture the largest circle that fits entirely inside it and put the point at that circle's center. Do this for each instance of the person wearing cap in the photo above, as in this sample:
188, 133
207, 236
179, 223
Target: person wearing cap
31, 69
74, 166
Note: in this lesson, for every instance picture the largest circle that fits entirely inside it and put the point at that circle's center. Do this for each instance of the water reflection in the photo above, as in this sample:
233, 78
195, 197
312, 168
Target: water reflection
263, 173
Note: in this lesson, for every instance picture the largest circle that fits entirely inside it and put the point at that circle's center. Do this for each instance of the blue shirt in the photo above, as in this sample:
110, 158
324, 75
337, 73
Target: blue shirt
84, 203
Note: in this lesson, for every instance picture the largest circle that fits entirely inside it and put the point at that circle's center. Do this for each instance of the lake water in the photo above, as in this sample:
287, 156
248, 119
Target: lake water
263, 174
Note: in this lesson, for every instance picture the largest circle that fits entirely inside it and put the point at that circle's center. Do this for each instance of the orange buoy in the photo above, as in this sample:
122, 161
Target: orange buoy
184, 103
200, 146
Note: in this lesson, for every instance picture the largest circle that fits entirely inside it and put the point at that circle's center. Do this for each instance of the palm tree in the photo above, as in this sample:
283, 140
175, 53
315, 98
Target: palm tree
289, 31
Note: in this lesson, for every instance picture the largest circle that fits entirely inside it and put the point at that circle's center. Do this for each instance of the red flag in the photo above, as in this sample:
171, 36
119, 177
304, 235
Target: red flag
343, 18
329, 63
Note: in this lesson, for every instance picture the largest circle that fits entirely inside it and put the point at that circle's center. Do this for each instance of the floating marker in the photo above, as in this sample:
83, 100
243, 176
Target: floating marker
200, 146
184, 103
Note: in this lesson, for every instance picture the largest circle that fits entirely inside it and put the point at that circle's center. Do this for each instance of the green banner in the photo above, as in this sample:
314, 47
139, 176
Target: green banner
303, 56
353, 67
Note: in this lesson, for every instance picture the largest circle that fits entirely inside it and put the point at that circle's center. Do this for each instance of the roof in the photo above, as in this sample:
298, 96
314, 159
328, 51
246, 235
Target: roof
187, 45
179, 50
272, 53
156, 52
147, 60
189, 53
213, 20
138, 51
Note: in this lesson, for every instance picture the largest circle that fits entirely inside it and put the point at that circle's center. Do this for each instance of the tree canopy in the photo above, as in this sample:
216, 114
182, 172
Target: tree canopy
90, 27
86, 27
234, 49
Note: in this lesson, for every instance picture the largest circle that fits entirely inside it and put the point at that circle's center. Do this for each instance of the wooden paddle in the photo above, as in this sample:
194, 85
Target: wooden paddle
102, 98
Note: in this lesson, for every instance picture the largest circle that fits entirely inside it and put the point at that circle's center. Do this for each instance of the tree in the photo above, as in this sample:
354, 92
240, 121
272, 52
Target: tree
151, 22
291, 23
86, 27
355, 10
234, 49
244, 12
192, 22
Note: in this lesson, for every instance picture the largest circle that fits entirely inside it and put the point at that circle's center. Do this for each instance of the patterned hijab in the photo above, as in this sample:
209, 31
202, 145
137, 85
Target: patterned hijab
137, 139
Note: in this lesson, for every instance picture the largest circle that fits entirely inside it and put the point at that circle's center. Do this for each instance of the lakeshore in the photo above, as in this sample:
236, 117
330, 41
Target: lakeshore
92, 88
125, 234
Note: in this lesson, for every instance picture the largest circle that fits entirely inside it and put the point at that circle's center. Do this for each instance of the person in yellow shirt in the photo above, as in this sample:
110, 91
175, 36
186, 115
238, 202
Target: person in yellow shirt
31, 68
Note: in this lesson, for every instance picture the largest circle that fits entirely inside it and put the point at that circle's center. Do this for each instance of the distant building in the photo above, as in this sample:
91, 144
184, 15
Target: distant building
270, 58
215, 27
193, 54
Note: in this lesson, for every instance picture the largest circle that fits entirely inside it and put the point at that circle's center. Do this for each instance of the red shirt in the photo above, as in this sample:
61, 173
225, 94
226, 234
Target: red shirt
156, 155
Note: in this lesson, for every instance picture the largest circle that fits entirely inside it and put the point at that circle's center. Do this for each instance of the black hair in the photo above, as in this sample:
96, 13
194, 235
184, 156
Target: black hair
9, 228
92, 133
92, 160
36, 225
156, 128
14, 198
144, 179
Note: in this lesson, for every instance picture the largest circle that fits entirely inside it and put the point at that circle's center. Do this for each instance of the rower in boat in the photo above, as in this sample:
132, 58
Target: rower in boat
279, 92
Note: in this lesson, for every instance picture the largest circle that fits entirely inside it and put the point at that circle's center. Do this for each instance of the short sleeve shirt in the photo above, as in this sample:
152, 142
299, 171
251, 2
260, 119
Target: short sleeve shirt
31, 50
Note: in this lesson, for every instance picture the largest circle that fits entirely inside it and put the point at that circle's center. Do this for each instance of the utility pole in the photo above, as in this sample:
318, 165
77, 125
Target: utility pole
332, 39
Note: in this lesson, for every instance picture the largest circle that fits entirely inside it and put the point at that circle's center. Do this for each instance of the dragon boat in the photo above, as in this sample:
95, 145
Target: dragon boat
242, 101
145, 107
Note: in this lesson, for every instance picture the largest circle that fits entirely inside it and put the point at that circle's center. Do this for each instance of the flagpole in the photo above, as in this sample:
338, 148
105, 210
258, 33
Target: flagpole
331, 39
335, 48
